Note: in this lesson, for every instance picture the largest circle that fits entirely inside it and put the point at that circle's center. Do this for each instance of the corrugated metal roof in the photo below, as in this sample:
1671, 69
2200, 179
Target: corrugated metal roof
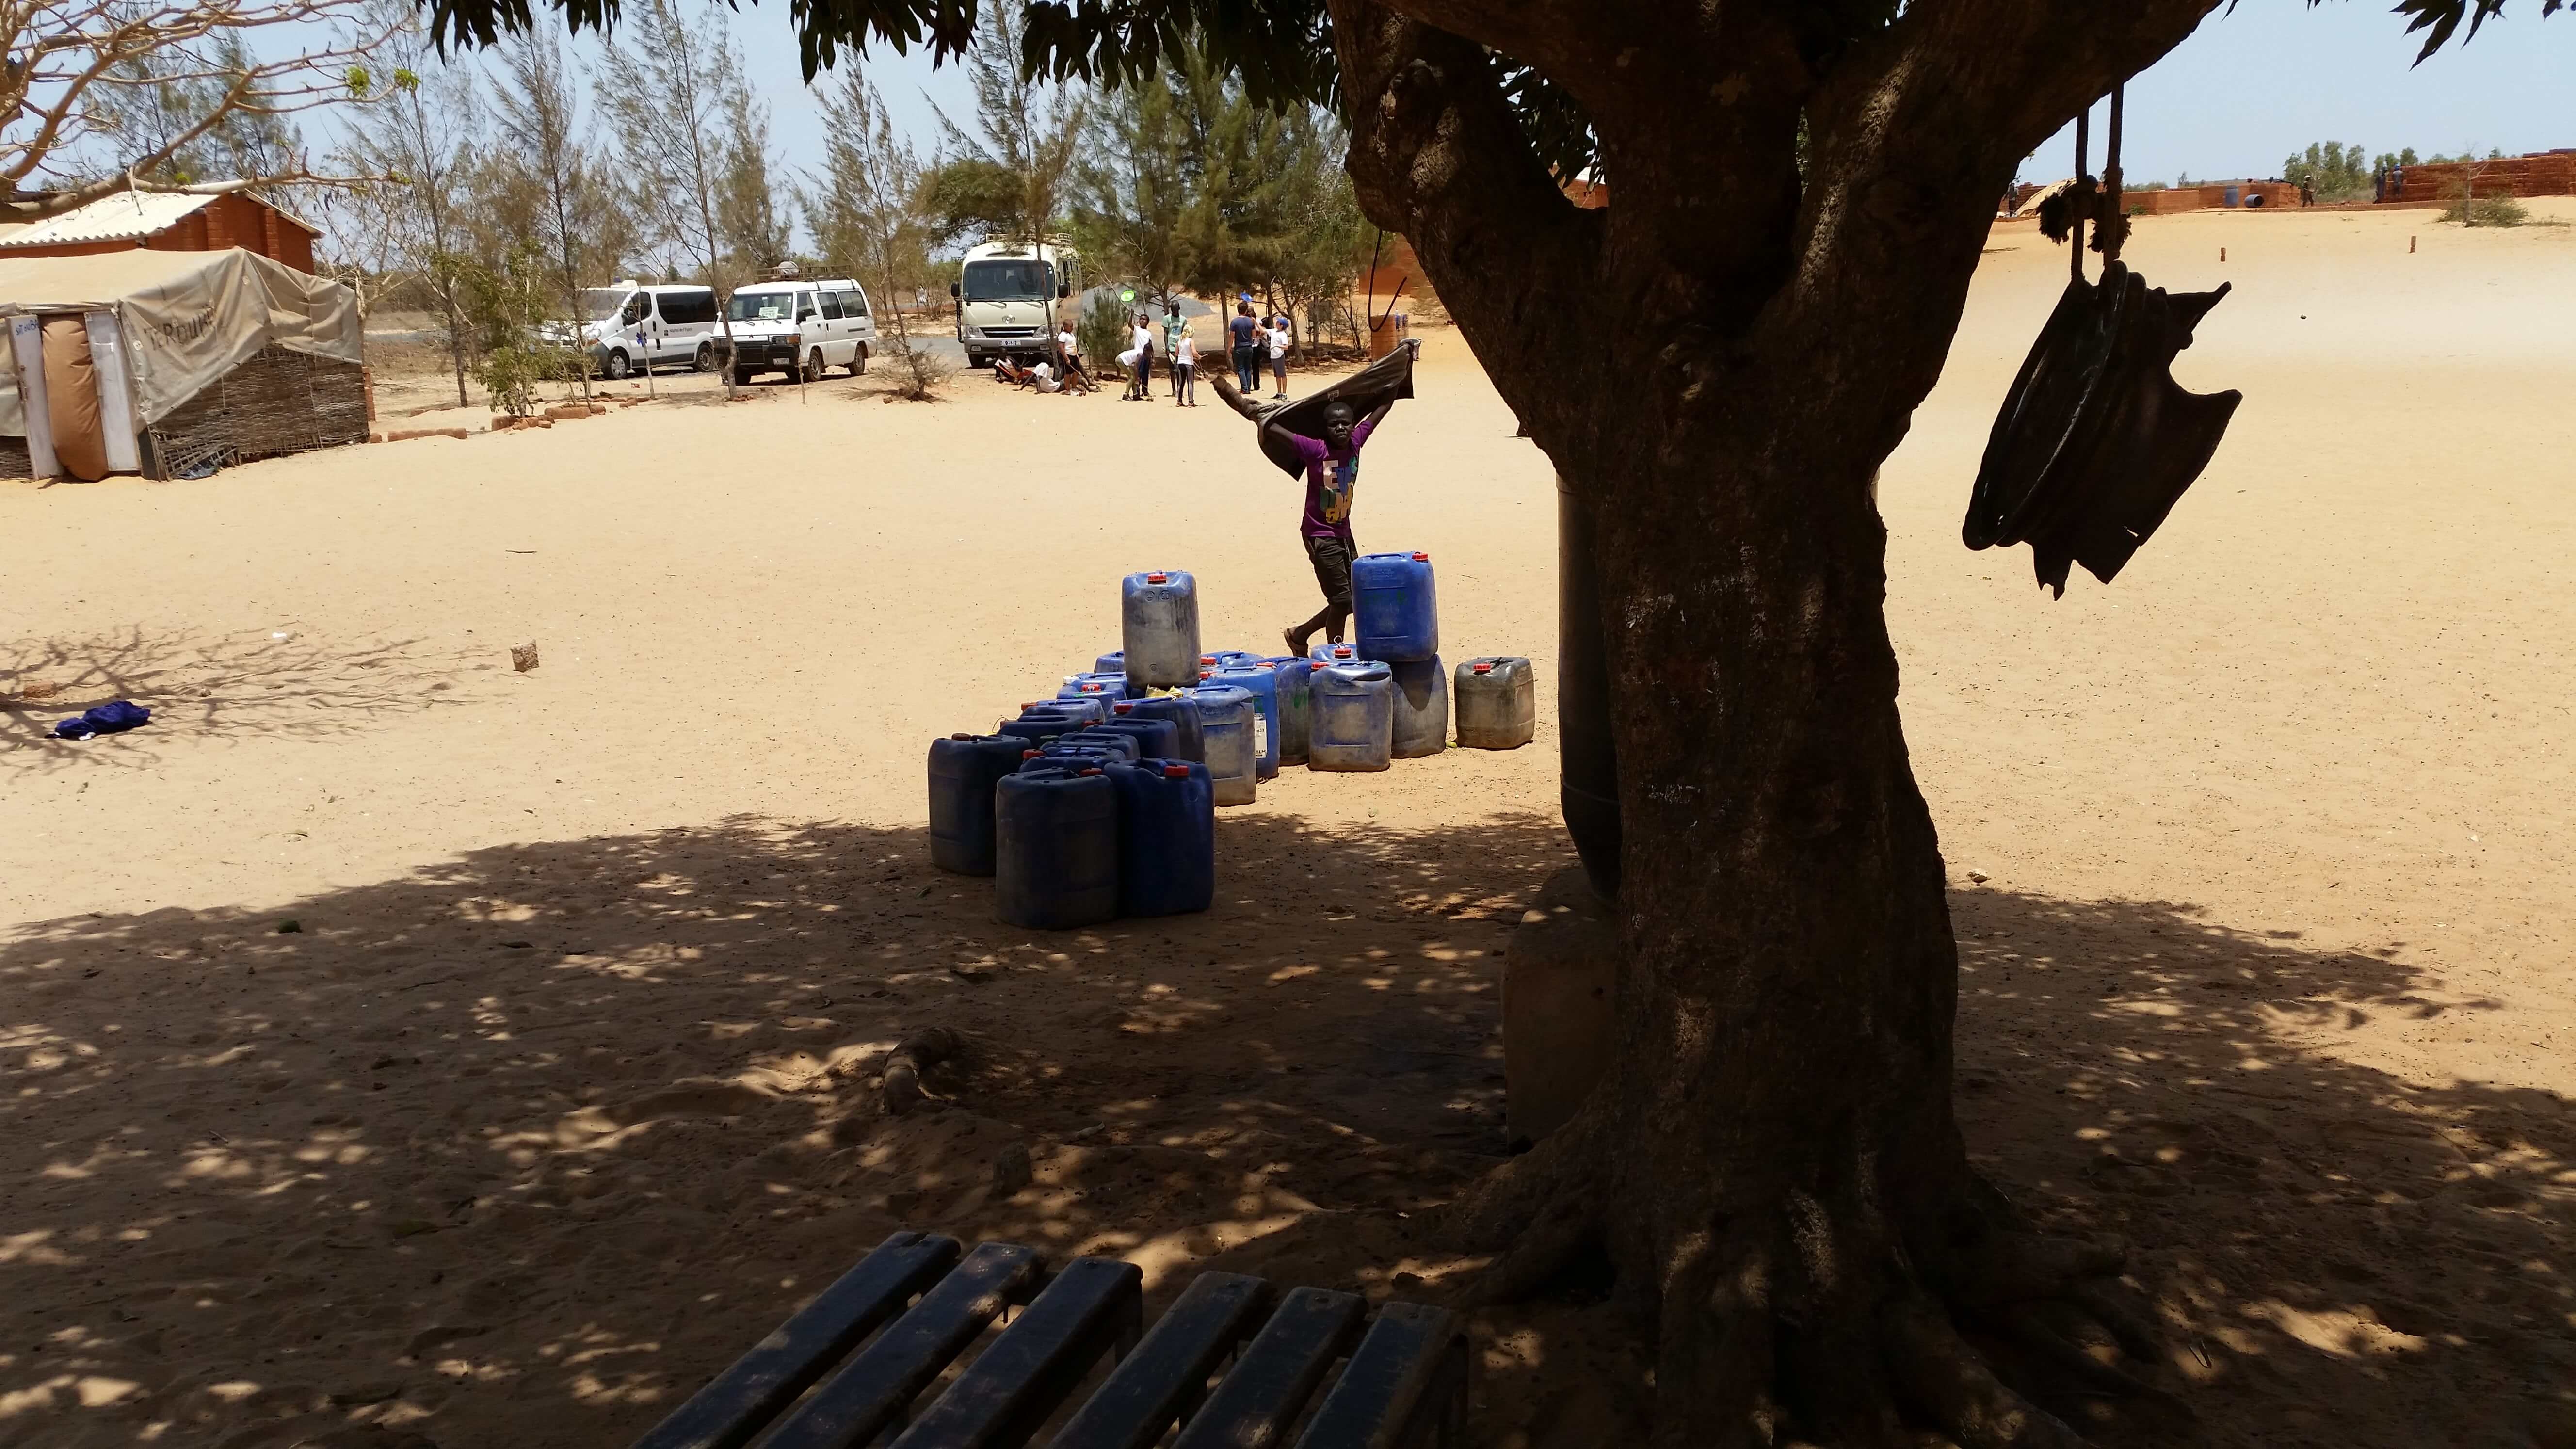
122, 216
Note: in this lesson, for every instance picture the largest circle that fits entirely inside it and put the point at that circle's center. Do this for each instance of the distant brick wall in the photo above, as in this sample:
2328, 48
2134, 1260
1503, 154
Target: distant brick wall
2211, 194
2546, 173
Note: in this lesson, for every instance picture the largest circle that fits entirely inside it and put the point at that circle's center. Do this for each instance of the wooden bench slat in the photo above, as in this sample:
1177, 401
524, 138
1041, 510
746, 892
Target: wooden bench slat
875, 1389
736, 1404
1404, 1387
1094, 1307
1259, 1397
1165, 1377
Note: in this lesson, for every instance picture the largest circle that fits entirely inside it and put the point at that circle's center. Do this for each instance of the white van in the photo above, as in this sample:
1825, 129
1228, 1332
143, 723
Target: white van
785, 326
629, 327
1006, 299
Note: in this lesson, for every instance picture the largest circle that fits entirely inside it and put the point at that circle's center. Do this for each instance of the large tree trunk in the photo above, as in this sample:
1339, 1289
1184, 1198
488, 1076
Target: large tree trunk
1717, 363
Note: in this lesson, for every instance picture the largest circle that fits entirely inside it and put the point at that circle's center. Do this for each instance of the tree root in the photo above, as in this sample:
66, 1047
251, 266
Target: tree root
918, 1052
1818, 1325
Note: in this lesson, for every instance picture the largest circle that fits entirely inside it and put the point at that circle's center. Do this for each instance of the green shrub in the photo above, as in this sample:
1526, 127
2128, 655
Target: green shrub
2470, 209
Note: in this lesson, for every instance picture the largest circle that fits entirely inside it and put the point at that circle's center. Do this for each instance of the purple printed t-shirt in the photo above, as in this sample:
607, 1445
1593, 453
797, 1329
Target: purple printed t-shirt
1331, 478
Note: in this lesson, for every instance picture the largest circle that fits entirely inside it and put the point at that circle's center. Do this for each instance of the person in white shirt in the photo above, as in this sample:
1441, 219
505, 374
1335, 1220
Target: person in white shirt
1141, 387
1279, 355
1185, 372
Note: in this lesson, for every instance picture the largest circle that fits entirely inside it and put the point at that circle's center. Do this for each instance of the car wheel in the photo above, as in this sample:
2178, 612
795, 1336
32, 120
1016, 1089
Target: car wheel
617, 367
742, 377
859, 361
813, 366
705, 360
976, 362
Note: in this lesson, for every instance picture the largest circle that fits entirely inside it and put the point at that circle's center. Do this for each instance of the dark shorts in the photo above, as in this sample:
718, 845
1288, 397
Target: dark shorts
1332, 560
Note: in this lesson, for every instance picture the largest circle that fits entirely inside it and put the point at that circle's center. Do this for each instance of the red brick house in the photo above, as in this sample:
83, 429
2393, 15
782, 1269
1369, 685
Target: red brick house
162, 221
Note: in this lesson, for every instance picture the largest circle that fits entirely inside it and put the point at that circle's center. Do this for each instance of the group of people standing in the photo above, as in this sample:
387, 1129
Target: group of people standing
1251, 342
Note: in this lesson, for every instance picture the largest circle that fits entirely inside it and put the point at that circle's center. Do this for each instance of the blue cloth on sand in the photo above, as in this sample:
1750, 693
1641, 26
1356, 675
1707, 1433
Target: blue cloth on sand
107, 719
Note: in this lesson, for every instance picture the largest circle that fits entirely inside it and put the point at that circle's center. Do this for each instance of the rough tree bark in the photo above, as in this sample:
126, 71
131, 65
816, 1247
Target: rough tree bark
1717, 363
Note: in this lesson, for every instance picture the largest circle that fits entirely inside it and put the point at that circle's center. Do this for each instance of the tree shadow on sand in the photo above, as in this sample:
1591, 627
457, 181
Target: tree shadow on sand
521, 1148
247, 683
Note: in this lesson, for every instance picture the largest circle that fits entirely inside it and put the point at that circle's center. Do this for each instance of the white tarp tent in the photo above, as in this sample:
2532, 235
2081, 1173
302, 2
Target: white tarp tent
184, 320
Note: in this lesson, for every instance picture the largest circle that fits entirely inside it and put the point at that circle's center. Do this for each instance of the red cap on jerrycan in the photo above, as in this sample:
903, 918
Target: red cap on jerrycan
1420, 557
1030, 754
1158, 578
1176, 772
1484, 669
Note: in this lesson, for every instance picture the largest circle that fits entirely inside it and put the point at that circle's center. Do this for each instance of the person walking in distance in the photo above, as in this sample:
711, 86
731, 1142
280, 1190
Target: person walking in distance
1279, 357
1185, 369
1245, 335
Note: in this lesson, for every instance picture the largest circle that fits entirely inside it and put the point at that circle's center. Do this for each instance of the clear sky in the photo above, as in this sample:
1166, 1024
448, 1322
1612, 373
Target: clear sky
2255, 84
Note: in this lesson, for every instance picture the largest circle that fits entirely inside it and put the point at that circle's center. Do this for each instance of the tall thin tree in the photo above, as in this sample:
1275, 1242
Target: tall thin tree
757, 226
541, 138
866, 211
1025, 126
425, 140
669, 87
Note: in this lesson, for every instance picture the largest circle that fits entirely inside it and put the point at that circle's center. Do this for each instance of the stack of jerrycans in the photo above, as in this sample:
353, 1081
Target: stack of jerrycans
1395, 620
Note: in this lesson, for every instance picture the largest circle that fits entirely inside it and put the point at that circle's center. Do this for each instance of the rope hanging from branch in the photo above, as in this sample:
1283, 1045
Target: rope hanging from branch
2085, 199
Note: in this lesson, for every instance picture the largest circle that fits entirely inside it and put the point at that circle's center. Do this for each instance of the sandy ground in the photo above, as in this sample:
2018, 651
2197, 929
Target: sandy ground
560, 1093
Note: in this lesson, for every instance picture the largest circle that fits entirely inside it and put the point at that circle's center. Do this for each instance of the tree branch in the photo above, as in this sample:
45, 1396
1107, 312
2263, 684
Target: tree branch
1913, 134
1436, 156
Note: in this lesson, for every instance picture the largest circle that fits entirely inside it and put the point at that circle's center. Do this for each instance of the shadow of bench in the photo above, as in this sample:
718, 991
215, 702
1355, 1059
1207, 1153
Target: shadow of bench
1231, 1363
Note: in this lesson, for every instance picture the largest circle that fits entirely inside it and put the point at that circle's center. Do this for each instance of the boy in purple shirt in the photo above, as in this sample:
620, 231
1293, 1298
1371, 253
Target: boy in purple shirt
1329, 457
1332, 476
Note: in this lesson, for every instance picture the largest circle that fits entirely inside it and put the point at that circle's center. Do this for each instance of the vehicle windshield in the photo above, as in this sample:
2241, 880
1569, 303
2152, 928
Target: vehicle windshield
762, 307
598, 304
1007, 282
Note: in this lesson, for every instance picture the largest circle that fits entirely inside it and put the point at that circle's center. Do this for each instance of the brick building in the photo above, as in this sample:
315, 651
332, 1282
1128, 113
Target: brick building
2542, 173
161, 221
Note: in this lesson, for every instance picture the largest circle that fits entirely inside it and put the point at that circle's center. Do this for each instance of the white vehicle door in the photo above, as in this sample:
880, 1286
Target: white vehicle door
813, 332
629, 350
834, 329
863, 322
688, 322
655, 328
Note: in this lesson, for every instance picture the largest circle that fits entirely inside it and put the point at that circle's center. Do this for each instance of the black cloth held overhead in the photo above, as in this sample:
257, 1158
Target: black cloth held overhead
1373, 386
2096, 441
